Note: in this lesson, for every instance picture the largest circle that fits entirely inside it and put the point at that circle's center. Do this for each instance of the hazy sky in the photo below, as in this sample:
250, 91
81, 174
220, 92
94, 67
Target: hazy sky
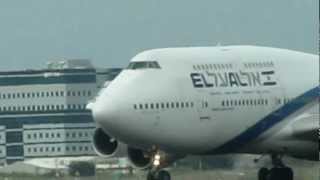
110, 32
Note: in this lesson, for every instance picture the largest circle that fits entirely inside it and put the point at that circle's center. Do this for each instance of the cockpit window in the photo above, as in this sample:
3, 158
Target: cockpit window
144, 65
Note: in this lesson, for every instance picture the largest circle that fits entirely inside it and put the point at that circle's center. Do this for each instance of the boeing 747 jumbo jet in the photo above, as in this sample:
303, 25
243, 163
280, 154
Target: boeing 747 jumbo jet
174, 102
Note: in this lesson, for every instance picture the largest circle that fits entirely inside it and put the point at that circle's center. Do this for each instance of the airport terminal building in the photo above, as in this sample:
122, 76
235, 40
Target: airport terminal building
43, 112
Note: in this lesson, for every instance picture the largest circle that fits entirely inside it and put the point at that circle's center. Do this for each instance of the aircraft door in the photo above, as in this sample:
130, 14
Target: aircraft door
203, 107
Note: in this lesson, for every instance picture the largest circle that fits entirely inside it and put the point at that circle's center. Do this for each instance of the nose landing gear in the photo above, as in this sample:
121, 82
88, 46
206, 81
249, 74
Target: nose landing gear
155, 172
160, 175
278, 172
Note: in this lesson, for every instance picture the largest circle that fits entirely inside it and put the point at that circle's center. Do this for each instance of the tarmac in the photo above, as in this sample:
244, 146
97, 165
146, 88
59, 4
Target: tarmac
306, 173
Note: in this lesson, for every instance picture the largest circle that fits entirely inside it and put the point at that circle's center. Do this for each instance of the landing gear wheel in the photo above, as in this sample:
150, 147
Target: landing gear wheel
284, 173
263, 174
163, 175
150, 176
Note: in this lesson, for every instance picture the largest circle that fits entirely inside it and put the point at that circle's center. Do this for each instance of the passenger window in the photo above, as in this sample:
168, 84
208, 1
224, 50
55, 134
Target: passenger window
146, 106
151, 105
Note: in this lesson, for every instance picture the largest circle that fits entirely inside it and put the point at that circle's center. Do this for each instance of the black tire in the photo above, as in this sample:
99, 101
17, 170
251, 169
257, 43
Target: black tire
263, 174
281, 174
150, 176
163, 175
288, 173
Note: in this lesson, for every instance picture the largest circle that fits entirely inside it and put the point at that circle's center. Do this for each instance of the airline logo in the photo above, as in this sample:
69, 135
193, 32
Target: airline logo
233, 79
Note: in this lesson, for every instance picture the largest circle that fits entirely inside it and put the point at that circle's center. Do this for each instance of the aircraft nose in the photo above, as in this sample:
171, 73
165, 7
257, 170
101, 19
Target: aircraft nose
106, 112
103, 113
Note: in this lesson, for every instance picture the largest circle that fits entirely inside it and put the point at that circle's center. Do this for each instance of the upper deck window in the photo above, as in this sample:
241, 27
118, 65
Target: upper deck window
144, 65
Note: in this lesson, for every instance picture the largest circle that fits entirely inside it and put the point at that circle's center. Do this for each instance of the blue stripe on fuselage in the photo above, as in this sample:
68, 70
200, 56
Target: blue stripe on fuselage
268, 122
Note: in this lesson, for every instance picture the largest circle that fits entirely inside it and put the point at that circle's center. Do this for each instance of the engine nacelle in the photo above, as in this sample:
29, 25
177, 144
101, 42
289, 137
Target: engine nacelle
103, 144
139, 158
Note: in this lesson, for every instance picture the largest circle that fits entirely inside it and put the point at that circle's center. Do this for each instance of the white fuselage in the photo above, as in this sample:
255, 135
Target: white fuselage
210, 100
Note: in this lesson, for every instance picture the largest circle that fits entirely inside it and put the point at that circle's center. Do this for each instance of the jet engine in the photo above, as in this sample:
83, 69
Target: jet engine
139, 158
103, 144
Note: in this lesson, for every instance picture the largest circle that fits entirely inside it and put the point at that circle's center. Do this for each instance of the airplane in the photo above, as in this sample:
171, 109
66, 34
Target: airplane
173, 102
